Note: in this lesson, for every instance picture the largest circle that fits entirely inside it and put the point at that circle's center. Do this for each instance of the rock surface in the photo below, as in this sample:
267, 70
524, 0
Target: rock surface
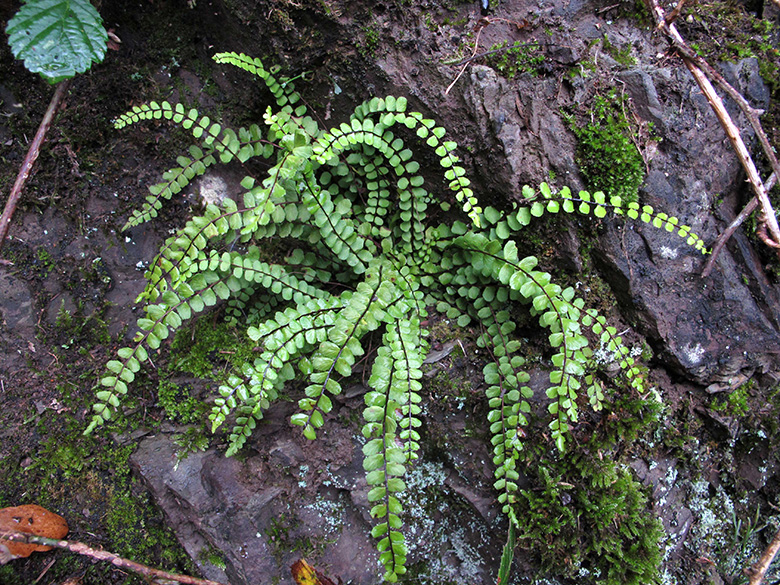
707, 329
285, 498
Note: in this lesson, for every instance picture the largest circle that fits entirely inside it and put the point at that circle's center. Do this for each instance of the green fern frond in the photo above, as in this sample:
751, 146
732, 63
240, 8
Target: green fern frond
335, 240
283, 91
391, 403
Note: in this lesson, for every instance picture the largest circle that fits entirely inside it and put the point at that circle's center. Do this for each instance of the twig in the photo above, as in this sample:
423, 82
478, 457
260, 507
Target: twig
482, 23
608, 8
492, 51
758, 570
102, 555
29, 160
697, 66
45, 570
672, 16
738, 221
750, 112
480, 26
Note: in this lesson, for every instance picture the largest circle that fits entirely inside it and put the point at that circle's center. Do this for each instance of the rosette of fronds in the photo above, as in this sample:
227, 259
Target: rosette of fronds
363, 253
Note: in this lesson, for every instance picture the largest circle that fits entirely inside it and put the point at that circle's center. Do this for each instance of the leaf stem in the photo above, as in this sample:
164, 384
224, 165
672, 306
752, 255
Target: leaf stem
29, 160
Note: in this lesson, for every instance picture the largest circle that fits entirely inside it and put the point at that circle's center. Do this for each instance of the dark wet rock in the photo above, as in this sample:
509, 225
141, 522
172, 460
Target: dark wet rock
530, 134
285, 492
721, 428
670, 499
16, 305
641, 88
755, 463
708, 330
158, 455
9, 105
745, 76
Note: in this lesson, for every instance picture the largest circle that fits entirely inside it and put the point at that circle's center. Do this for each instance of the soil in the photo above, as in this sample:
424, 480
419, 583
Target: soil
68, 294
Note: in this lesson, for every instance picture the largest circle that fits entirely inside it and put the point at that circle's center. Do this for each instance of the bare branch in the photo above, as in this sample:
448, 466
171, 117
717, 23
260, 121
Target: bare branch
750, 112
483, 22
697, 67
758, 570
102, 555
29, 160
738, 221
672, 16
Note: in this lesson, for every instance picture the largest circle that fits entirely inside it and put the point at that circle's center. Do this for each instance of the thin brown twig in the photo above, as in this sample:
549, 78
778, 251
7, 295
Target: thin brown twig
729, 231
692, 61
758, 571
482, 23
473, 57
45, 570
751, 113
29, 160
608, 8
672, 16
462, 69
102, 555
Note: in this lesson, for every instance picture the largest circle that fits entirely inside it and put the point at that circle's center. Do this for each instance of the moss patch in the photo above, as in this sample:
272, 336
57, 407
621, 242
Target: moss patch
584, 515
606, 152
89, 482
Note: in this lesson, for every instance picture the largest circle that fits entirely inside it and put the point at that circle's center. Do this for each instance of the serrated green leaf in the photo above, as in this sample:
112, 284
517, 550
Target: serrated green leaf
57, 38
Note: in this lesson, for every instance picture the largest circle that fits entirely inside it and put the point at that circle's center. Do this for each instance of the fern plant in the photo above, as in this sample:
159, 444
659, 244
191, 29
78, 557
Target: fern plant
363, 255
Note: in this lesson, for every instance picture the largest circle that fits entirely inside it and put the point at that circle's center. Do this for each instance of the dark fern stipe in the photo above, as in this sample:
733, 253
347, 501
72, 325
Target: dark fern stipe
362, 255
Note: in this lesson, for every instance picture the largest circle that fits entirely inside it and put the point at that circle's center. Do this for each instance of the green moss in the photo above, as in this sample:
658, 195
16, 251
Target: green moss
46, 261
630, 417
516, 59
89, 483
585, 516
430, 22
584, 69
622, 55
723, 30
178, 404
207, 347
213, 556
284, 536
736, 402
192, 440
448, 21
368, 44
77, 330
606, 152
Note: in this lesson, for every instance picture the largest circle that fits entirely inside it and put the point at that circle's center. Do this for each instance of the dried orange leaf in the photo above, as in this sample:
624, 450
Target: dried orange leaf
303, 573
30, 519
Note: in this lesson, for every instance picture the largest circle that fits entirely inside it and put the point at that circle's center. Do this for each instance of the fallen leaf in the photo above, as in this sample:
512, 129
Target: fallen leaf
30, 519
113, 40
305, 574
